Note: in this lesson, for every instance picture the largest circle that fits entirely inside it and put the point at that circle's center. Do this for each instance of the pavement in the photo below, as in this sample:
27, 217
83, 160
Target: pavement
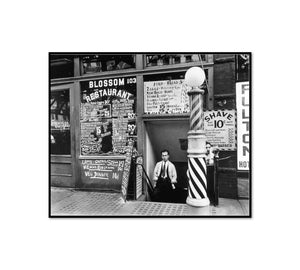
71, 202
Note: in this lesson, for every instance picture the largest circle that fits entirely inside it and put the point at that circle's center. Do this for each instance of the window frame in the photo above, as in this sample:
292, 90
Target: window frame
103, 73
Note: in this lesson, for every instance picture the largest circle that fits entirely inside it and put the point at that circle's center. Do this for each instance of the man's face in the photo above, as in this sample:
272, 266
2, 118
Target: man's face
208, 146
165, 156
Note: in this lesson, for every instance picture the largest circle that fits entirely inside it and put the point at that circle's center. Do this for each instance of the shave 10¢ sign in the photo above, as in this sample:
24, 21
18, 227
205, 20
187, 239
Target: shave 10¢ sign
220, 129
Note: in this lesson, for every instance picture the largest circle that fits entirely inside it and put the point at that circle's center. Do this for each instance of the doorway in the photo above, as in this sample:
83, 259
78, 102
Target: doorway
170, 135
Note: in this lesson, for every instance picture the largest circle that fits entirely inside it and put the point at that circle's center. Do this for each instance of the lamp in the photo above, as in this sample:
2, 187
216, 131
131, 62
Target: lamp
195, 77
197, 186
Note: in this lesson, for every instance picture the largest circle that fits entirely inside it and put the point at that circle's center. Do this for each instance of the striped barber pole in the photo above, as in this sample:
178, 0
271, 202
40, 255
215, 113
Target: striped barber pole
197, 172
196, 114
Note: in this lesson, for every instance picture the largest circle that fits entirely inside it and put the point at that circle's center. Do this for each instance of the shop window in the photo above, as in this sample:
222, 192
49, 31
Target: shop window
171, 59
167, 94
108, 115
60, 123
98, 63
224, 103
242, 67
61, 66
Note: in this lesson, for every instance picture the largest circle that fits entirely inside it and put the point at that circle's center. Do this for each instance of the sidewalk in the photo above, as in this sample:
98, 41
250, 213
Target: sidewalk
70, 202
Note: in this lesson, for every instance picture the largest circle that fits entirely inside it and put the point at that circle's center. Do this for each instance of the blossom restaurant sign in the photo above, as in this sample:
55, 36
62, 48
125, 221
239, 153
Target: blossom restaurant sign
243, 116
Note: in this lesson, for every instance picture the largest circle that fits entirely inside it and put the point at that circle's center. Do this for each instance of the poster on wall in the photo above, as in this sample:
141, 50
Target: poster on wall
220, 129
165, 97
107, 115
243, 122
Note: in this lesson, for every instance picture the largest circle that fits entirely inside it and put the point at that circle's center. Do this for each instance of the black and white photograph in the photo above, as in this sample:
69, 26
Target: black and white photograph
150, 134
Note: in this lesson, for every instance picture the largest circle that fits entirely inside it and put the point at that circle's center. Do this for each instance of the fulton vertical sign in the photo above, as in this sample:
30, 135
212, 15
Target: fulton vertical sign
243, 122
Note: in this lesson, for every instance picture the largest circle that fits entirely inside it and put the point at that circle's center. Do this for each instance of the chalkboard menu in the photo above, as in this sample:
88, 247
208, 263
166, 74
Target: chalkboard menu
166, 97
104, 173
108, 115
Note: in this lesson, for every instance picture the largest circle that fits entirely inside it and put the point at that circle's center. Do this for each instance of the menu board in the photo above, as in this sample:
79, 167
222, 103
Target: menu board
220, 129
103, 173
166, 97
107, 115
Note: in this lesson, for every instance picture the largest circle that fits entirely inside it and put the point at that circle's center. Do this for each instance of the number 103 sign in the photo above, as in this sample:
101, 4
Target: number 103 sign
220, 129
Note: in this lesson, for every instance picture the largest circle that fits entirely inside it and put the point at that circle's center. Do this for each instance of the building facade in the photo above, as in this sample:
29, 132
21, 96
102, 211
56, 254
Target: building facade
101, 103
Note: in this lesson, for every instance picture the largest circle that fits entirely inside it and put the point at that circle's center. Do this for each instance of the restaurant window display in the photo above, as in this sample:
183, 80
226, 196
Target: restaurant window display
107, 116
60, 123
99, 63
171, 59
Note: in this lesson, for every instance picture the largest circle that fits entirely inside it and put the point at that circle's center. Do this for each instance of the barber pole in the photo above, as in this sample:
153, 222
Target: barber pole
197, 185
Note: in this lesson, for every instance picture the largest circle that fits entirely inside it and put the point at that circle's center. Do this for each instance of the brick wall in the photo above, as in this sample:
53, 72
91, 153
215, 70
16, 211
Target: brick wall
224, 92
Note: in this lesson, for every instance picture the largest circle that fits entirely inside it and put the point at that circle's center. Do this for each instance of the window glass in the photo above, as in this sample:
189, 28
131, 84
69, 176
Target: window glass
99, 63
222, 103
171, 59
108, 115
60, 123
242, 67
61, 66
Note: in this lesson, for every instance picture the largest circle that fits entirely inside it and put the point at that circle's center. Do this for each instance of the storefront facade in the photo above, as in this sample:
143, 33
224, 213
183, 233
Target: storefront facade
102, 103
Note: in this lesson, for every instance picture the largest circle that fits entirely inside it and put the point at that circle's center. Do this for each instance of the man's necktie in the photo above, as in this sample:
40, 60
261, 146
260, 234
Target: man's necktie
164, 170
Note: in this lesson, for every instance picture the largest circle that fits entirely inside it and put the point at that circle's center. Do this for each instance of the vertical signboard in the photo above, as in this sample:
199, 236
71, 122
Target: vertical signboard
139, 177
126, 171
243, 122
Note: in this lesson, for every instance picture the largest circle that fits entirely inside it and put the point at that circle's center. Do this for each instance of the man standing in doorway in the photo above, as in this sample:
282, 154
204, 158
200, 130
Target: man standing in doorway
164, 178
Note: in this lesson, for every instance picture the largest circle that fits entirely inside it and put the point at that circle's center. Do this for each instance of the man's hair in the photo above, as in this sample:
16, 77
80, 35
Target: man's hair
208, 143
165, 150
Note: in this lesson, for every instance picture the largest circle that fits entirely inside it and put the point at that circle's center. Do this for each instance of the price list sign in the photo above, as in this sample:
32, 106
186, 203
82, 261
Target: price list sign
220, 129
166, 97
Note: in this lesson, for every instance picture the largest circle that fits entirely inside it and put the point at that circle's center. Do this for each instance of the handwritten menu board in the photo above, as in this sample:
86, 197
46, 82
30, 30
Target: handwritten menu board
126, 172
166, 97
107, 115
103, 173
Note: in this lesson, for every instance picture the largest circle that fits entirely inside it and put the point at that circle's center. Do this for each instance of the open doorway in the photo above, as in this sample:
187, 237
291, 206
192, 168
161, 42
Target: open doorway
171, 135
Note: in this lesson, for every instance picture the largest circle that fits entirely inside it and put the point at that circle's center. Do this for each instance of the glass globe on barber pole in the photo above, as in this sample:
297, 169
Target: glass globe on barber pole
194, 77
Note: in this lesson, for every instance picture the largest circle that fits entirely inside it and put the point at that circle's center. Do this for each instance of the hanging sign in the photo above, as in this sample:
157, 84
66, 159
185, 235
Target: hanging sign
220, 129
165, 97
243, 117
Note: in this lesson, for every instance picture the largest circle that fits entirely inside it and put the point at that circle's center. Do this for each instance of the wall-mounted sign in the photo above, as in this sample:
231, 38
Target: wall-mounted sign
243, 117
108, 115
169, 96
220, 128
